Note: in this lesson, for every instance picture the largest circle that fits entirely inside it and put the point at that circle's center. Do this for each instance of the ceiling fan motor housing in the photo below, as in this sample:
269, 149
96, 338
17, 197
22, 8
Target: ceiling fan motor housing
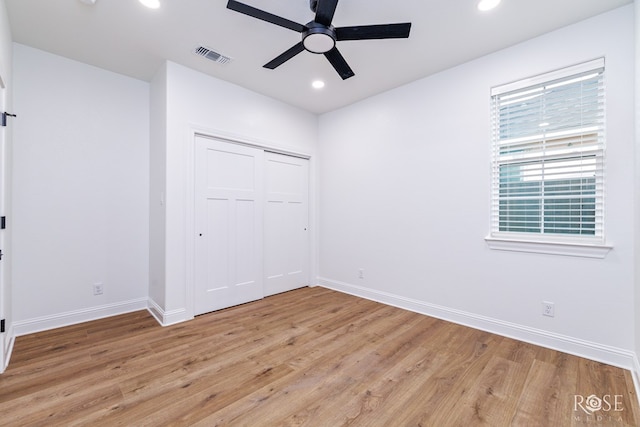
318, 38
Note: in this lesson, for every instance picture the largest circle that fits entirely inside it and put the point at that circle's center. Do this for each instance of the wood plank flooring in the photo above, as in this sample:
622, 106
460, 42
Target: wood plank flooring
310, 357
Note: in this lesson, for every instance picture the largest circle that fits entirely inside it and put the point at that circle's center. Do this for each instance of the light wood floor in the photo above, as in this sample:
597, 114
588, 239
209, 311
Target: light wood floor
310, 357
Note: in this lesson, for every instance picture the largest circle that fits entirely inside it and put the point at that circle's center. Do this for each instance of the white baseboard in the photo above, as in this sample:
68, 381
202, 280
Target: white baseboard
166, 318
602, 353
44, 323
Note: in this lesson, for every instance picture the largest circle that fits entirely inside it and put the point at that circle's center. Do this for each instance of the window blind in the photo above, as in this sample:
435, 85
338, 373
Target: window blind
548, 154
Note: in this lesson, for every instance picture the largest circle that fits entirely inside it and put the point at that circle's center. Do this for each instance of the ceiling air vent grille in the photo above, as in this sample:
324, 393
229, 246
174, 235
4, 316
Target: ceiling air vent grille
211, 55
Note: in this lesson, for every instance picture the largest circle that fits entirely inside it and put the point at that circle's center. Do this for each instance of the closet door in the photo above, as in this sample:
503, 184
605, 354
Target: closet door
286, 246
228, 224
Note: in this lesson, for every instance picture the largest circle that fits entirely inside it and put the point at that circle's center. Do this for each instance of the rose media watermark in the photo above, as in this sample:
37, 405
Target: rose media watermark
593, 403
597, 408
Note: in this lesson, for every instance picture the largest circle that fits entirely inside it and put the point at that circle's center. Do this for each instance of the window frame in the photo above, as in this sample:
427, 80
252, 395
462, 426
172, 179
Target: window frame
557, 243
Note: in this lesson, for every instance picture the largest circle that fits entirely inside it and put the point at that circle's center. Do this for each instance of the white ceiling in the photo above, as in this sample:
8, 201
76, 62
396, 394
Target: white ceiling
125, 37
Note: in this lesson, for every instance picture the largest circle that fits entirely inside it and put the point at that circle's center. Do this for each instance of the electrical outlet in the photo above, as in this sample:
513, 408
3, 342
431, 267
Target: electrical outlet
548, 309
361, 273
98, 288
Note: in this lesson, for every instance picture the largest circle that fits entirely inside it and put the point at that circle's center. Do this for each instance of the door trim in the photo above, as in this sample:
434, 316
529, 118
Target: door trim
190, 240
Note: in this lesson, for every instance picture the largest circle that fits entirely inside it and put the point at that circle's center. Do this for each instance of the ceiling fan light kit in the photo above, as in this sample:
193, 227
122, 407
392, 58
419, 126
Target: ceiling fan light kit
319, 36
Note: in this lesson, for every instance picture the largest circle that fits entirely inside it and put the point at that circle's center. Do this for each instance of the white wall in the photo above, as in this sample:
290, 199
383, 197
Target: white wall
81, 180
404, 194
196, 102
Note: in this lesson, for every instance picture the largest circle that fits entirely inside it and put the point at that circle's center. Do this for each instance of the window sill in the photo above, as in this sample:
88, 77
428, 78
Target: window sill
551, 248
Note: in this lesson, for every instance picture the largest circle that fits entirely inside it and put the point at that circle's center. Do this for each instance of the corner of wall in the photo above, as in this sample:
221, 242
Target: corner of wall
167, 318
157, 186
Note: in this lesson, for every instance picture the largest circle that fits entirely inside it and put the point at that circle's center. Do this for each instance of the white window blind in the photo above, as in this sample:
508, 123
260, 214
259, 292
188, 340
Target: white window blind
548, 155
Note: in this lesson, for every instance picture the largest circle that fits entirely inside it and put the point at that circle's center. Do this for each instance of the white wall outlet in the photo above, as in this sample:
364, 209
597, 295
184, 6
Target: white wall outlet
548, 309
98, 288
361, 273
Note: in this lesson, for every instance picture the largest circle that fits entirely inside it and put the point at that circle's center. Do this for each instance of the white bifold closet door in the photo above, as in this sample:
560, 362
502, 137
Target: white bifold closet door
286, 238
251, 224
228, 224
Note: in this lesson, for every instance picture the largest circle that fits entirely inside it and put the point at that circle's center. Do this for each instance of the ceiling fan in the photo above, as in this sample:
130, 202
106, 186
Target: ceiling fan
319, 36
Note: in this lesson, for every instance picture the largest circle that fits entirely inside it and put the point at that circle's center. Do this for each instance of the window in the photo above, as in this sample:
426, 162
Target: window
548, 156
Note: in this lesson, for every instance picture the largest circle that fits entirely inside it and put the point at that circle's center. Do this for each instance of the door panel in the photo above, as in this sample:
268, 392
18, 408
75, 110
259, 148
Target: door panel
228, 221
286, 223
217, 243
246, 267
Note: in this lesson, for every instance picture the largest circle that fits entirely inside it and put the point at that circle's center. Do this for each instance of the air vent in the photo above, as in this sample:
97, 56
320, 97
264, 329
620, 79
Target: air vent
211, 55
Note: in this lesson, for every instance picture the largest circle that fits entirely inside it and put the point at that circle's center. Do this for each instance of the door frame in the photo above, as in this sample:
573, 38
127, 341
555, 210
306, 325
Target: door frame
190, 231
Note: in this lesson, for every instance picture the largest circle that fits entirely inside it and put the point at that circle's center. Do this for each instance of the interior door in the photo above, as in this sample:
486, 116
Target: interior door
286, 222
5, 290
228, 224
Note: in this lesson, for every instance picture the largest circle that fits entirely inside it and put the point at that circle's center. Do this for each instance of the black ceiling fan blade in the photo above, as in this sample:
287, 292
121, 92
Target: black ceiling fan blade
337, 60
285, 56
265, 16
369, 32
325, 11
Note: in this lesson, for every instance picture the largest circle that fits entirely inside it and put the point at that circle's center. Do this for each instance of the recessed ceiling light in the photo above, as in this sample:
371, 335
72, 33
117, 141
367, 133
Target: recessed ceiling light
151, 4
317, 84
485, 5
